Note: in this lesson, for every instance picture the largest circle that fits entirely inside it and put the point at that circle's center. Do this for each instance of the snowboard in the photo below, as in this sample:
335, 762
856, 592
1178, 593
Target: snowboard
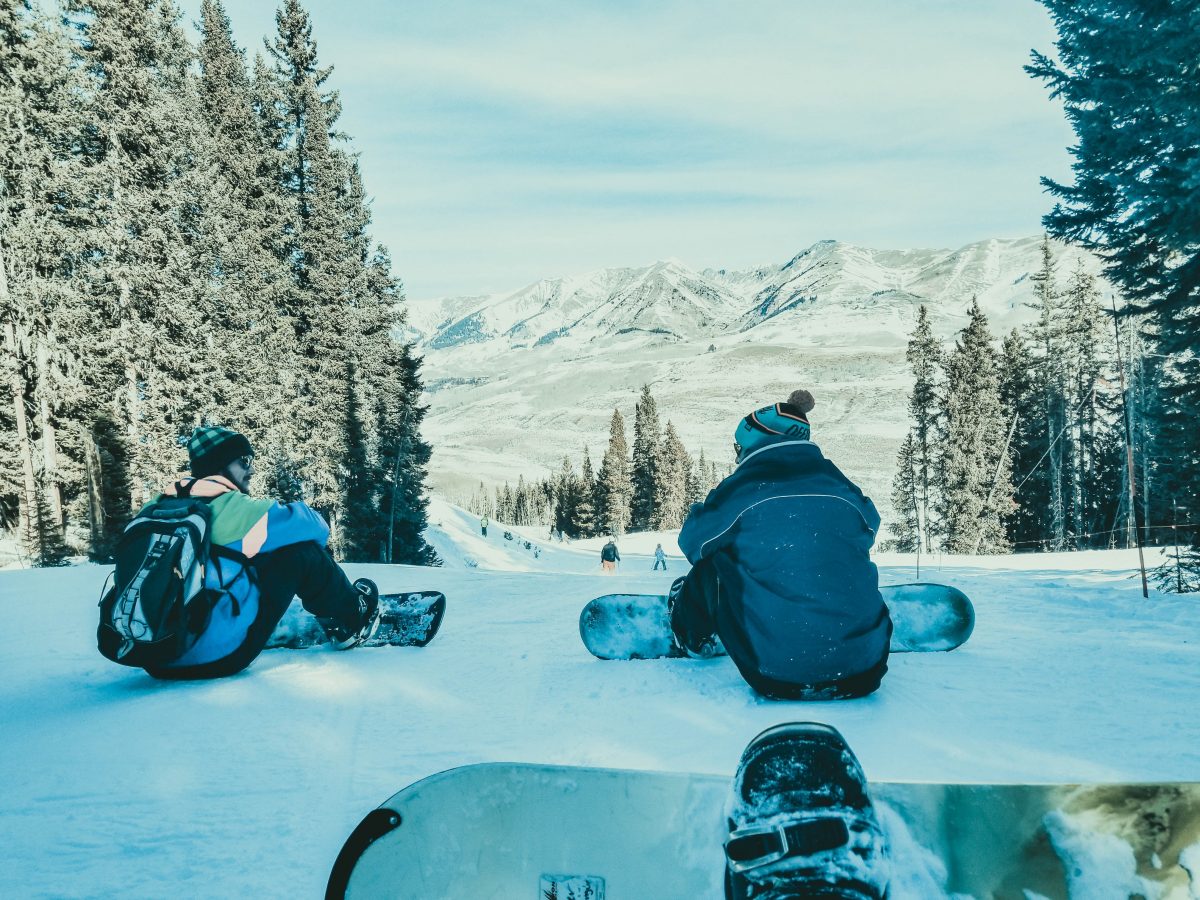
527, 832
405, 620
925, 618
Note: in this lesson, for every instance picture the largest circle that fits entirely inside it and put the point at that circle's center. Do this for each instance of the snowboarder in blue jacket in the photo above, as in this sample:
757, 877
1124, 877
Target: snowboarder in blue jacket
781, 574
283, 548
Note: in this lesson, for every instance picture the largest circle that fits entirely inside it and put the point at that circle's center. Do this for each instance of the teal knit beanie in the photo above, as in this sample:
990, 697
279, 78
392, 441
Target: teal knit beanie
771, 424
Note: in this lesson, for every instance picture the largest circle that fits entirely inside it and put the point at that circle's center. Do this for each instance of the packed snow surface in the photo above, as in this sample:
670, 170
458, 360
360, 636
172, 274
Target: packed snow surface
118, 785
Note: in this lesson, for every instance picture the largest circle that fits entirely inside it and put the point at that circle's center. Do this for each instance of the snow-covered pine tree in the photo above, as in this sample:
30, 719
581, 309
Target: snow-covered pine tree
147, 259
585, 507
924, 357
392, 382
1027, 527
327, 253
566, 489
906, 500
977, 488
614, 489
249, 278
697, 481
37, 170
1124, 72
1047, 338
1083, 370
647, 434
672, 466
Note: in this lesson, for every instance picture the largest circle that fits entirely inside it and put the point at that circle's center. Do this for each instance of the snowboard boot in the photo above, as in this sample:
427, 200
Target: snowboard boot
706, 647
801, 822
368, 610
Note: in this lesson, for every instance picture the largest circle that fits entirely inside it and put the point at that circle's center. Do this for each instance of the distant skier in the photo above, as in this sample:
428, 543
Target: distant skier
483, 524
660, 558
781, 570
609, 557
278, 552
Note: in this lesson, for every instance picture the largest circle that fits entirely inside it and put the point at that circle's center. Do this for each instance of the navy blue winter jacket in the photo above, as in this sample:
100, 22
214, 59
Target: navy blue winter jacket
790, 537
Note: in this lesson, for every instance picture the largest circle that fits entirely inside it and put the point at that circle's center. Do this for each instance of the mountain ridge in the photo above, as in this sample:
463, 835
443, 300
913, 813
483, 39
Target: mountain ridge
516, 380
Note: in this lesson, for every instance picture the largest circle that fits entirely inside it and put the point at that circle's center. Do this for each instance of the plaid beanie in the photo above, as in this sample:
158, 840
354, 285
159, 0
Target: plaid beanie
211, 448
764, 426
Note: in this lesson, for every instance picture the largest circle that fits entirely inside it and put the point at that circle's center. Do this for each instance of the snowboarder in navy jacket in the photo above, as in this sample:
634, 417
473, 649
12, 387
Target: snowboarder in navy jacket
781, 571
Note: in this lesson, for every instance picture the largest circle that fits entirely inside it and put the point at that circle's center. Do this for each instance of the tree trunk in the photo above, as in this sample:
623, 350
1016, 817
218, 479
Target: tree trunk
27, 507
50, 483
95, 493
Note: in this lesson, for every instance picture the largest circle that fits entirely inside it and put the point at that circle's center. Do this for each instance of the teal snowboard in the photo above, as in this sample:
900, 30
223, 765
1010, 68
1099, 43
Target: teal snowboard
925, 618
405, 620
508, 831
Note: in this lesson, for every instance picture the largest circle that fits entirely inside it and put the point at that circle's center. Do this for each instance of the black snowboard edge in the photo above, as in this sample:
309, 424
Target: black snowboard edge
378, 822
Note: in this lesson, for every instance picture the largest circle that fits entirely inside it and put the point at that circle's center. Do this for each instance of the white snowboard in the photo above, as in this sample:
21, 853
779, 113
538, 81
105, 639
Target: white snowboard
501, 831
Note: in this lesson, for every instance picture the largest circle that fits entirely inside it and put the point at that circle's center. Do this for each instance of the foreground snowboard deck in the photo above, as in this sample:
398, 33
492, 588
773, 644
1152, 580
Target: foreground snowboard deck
925, 618
525, 832
405, 620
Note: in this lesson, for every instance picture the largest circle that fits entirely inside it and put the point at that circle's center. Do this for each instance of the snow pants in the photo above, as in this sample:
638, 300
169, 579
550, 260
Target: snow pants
304, 570
695, 600
660, 562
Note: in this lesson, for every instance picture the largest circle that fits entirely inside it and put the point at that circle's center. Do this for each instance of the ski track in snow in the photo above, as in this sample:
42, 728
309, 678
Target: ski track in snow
119, 785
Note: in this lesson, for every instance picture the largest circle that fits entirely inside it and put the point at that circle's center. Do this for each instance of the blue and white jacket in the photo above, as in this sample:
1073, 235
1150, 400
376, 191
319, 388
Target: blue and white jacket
248, 527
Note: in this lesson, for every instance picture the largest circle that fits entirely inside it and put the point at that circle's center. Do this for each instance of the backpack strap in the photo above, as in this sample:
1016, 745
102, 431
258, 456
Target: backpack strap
218, 552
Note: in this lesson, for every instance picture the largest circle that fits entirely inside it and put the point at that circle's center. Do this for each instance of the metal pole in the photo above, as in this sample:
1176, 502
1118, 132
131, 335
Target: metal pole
1137, 532
1175, 535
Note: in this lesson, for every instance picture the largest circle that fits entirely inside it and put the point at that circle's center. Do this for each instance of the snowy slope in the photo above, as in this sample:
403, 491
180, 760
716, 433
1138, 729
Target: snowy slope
516, 381
115, 785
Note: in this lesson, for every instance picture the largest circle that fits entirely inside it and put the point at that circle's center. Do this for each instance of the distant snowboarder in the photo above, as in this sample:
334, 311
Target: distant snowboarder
609, 557
272, 552
660, 558
781, 570
483, 524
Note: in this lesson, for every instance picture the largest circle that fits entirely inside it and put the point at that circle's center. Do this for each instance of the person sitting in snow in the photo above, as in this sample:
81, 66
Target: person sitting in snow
781, 575
285, 547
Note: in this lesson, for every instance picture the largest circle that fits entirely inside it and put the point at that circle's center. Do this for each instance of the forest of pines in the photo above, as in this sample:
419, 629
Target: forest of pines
650, 488
184, 240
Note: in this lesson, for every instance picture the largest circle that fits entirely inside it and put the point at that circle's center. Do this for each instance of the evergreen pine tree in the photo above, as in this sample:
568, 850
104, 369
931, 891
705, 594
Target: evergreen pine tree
566, 489
1047, 337
646, 438
924, 355
907, 534
585, 507
697, 481
249, 278
1019, 395
672, 466
1124, 72
977, 488
614, 488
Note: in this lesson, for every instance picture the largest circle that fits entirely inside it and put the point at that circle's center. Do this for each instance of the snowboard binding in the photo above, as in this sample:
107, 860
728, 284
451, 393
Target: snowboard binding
368, 608
801, 822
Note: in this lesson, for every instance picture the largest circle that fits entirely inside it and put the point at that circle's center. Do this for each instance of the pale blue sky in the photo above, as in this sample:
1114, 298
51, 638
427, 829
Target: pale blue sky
505, 142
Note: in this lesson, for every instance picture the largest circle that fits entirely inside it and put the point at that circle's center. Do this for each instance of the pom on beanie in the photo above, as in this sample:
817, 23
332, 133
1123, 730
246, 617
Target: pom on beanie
776, 423
802, 400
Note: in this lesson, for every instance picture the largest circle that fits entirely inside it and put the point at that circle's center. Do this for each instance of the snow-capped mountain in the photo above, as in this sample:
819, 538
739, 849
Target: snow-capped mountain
517, 380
